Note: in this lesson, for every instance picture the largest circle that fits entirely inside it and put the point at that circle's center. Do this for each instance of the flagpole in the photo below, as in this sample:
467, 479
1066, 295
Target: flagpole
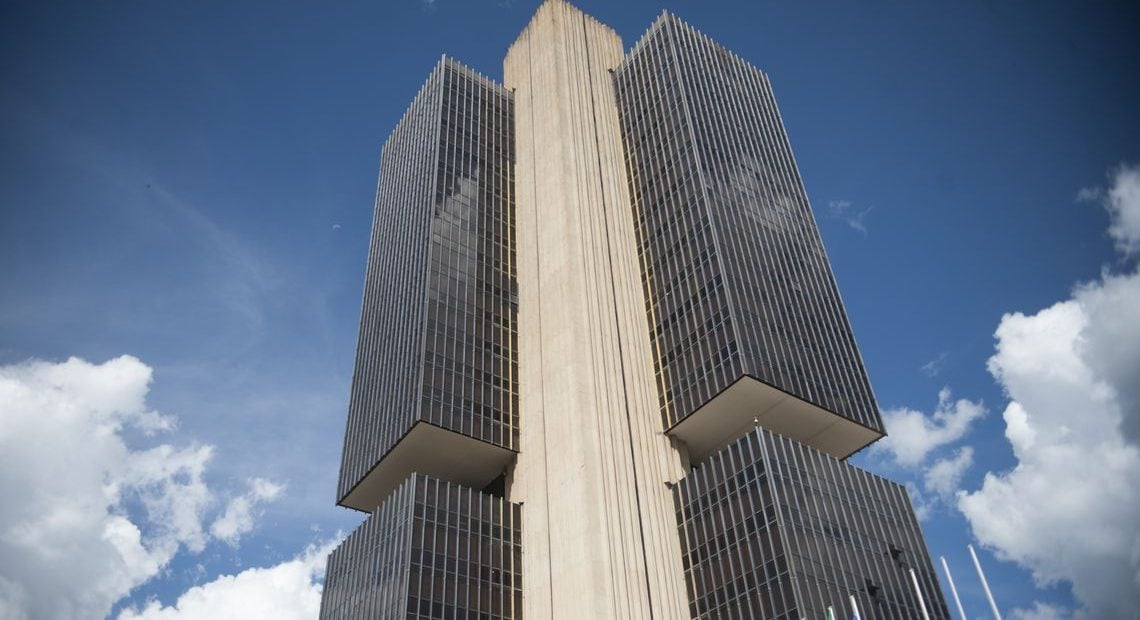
855, 608
953, 590
918, 592
985, 584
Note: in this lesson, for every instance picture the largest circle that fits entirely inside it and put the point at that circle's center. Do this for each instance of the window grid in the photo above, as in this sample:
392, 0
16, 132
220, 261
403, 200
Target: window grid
438, 329
736, 278
433, 549
771, 528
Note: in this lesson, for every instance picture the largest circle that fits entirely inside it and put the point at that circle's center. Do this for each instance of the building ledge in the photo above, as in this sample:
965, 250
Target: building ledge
748, 402
434, 451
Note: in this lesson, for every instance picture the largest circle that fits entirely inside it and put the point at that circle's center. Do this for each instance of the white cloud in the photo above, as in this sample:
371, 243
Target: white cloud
945, 475
288, 590
68, 544
911, 435
940, 484
845, 210
1122, 201
934, 366
1041, 611
1089, 194
1110, 344
238, 517
1070, 509
1123, 204
923, 505
87, 516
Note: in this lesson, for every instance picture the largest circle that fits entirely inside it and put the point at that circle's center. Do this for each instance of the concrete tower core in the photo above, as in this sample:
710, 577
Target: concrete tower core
593, 461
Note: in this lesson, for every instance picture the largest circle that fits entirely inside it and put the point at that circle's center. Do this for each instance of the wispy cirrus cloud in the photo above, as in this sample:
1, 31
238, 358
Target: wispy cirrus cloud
934, 367
846, 211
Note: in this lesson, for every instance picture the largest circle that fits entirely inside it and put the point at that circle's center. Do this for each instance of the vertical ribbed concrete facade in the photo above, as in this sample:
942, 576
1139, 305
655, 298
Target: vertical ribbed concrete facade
604, 370
592, 464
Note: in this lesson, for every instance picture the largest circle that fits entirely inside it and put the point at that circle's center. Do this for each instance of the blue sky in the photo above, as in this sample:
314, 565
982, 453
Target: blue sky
190, 184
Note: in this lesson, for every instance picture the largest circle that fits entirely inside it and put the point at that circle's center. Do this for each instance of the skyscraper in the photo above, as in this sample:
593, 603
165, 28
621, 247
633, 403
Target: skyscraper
604, 370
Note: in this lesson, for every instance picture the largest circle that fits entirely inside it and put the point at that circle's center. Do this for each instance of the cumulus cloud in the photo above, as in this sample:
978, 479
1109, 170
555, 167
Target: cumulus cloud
945, 475
68, 546
1110, 344
940, 484
87, 514
239, 515
1123, 204
923, 506
1041, 611
1070, 509
912, 435
288, 590
1122, 201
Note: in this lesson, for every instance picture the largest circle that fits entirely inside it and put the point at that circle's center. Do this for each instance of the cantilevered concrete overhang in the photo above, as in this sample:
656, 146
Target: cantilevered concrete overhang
738, 408
434, 451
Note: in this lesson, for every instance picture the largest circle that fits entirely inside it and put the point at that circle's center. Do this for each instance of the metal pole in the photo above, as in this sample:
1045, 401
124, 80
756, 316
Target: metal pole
918, 592
953, 590
985, 584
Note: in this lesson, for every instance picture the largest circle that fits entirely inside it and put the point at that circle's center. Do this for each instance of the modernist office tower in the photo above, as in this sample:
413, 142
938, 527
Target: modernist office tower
433, 549
774, 529
604, 370
745, 315
434, 389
